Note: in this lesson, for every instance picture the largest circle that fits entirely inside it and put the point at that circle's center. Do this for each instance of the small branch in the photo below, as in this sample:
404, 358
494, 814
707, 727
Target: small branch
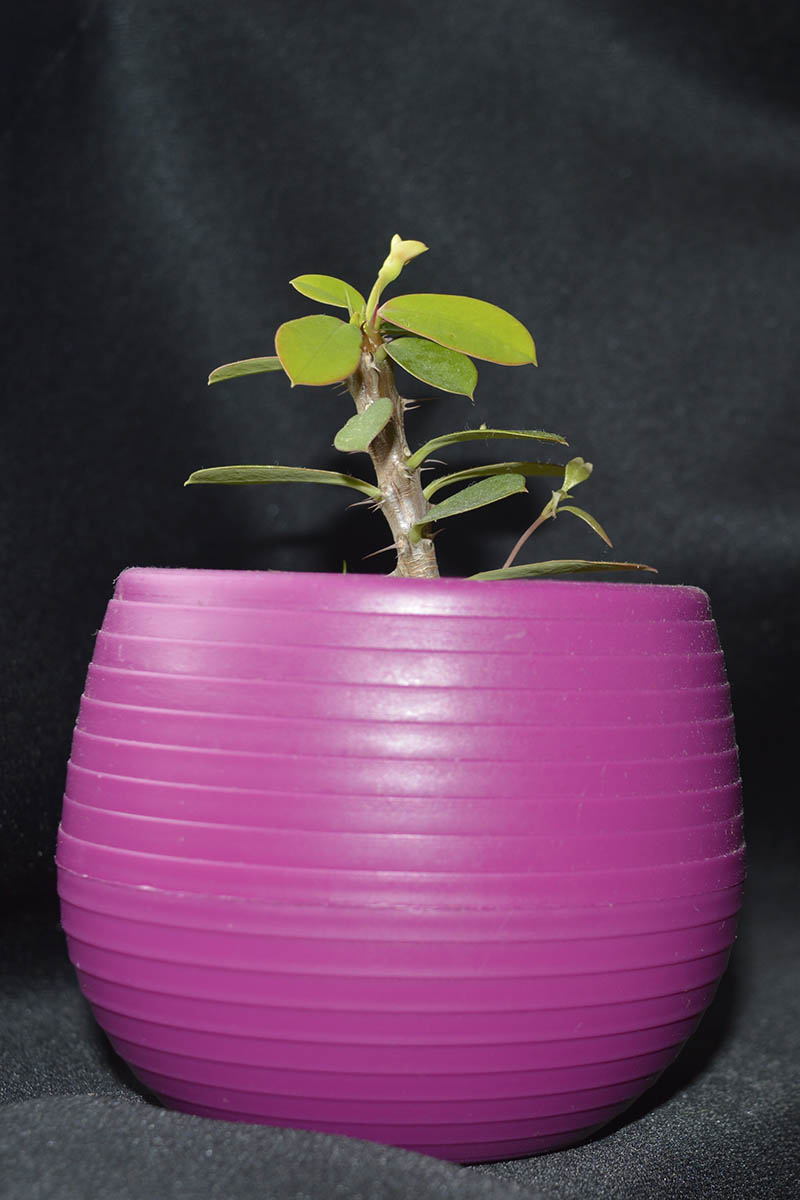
544, 515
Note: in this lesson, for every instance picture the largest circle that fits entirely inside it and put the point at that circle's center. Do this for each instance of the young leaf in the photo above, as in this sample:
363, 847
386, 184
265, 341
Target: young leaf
360, 430
246, 366
474, 327
435, 364
276, 474
401, 251
576, 471
559, 566
507, 468
589, 519
475, 496
318, 350
473, 435
328, 290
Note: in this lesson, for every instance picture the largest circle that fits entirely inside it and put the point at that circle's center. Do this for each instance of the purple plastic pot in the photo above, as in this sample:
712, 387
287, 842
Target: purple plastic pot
453, 866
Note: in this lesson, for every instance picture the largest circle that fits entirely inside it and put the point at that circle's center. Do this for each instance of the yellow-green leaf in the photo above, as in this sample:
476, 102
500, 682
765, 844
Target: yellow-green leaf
476, 435
328, 290
318, 350
589, 519
357, 433
435, 364
476, 496
576, 471
474, 327
559, 566
505, 468
246, 366
276, 474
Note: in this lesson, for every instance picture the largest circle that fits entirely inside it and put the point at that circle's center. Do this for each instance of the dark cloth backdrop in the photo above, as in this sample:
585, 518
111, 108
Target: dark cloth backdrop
625, 178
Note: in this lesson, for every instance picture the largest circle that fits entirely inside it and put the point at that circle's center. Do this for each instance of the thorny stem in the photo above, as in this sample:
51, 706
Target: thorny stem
403, 503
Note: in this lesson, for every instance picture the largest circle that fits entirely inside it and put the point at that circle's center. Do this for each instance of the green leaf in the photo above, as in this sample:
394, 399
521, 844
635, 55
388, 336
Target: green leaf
318, 350
472, 326
247, 366
576, 471
507, 468
589, 519
361, 429
328, 290
393, 331
435, 364
476, 496
559, 566
476, 435
276, 474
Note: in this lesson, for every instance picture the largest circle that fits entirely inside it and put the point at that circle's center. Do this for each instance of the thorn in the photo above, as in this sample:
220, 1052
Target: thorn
382, 550
376, 504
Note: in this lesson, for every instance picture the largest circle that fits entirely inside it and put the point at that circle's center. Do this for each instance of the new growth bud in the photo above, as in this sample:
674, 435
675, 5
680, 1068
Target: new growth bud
400, 252
576, 471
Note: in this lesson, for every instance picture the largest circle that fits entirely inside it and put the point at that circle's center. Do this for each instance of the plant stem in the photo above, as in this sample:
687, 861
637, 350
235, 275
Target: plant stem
544, 515
403, 503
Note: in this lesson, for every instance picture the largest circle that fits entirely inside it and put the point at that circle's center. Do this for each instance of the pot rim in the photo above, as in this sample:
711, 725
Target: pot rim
120, 604
577, 599
351, 578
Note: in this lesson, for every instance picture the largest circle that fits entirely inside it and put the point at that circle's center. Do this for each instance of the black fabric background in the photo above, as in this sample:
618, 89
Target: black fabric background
625, 178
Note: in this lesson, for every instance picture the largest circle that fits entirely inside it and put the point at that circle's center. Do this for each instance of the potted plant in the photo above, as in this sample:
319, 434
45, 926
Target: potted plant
451, 864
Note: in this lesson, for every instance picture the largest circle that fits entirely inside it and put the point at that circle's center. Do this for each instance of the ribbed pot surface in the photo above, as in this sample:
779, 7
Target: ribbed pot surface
449, 865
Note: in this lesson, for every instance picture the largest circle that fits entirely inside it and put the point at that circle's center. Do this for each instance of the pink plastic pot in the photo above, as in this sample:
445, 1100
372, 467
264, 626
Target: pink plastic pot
453, 866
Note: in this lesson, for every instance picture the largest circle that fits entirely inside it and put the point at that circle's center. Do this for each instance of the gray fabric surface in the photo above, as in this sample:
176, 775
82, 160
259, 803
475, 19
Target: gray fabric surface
625, 178
98, 1148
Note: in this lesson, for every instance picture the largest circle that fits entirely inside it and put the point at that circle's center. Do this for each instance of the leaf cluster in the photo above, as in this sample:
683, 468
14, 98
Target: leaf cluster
434, 338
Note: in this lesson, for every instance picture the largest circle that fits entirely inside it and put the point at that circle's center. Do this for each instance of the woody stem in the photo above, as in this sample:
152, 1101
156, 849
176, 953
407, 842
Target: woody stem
403, 503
